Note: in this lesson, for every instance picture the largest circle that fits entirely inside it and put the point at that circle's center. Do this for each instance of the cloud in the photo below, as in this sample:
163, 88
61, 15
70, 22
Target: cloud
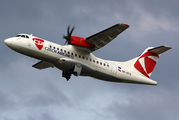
6, 101
144, 104
147, 22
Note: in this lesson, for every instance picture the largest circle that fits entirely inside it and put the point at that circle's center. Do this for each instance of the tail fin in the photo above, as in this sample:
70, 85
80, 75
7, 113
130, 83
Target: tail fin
146, 62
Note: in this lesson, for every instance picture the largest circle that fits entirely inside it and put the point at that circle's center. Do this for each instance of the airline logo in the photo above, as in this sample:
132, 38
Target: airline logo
38, 43
146, 63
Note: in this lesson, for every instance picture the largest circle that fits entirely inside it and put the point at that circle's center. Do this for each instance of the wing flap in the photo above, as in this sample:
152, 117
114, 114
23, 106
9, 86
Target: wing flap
42, 65
104, 37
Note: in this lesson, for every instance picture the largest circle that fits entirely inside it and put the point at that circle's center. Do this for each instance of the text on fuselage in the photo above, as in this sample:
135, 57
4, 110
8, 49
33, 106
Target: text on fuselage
58, 52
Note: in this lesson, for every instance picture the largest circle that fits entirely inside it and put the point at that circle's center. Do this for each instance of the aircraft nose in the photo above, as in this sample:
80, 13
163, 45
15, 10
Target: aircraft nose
8, 42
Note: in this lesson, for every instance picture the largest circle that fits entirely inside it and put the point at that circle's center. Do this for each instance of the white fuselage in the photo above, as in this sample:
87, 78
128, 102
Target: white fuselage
68, 56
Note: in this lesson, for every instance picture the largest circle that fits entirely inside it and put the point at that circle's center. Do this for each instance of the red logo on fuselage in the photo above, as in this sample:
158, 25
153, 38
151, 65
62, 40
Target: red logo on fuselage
38, 43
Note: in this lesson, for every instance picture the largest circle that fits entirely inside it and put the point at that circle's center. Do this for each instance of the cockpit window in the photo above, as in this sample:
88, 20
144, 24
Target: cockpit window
24, 36
18, 36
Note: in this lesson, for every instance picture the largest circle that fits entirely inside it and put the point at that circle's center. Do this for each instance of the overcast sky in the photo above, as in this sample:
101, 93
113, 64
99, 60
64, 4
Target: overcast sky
30, 94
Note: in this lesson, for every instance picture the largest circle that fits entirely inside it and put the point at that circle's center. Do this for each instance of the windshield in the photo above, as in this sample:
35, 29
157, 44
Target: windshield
24, 36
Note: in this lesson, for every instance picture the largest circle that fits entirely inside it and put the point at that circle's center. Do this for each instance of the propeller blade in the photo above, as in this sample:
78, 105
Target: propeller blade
69, 33
72, 31
66, 42
68, 30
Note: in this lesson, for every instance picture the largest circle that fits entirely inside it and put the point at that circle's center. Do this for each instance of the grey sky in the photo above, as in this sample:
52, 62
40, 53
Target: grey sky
30, 94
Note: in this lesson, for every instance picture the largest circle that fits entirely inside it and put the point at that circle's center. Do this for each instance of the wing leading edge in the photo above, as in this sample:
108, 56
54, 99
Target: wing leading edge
104, 37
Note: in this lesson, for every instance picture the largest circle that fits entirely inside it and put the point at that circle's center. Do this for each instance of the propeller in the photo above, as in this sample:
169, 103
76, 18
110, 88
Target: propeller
69, 33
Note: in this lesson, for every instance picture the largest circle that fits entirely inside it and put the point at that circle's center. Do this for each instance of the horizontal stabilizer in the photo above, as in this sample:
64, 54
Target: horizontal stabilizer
42, 65
159, 50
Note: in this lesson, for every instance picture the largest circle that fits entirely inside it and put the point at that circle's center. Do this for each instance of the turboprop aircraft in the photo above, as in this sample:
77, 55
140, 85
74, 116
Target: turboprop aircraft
76, 57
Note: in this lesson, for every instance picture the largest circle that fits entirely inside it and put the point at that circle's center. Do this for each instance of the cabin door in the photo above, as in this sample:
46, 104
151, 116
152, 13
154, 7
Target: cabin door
113, 69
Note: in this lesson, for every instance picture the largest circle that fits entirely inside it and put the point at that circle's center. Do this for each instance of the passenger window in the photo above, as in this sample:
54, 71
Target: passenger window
64, 51
107, 65
57, 48
68, 52
61, 50
104, 64
90, 59
50, 46
100, 63
83, 57
97, 62
75, 55
94, 61
86, 58
71, 53
53, 47
79, 56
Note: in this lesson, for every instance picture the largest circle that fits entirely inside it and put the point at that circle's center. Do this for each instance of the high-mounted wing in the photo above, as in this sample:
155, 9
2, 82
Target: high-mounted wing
104, 37
42, 65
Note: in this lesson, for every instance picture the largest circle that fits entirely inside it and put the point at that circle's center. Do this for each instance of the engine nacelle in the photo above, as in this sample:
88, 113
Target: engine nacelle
79, 41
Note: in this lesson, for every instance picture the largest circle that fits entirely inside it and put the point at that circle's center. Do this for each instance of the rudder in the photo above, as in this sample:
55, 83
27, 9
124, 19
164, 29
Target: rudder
146, 62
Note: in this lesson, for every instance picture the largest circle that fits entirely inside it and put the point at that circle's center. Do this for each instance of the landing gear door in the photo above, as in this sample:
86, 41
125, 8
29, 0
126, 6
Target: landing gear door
113, 69
77, 69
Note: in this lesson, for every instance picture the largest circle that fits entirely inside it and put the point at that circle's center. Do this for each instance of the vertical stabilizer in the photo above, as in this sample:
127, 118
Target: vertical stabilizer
146, 62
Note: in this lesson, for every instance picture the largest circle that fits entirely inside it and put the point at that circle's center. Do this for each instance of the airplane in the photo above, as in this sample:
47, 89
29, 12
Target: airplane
75, 57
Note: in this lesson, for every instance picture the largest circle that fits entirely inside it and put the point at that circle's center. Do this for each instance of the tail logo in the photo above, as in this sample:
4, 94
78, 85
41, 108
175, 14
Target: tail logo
38, 43
146, 63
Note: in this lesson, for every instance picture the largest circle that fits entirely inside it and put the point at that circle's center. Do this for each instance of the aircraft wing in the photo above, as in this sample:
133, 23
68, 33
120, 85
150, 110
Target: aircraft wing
104, 37
42, 65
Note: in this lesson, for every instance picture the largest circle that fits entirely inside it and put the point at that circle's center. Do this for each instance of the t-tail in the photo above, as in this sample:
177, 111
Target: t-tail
146, 62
